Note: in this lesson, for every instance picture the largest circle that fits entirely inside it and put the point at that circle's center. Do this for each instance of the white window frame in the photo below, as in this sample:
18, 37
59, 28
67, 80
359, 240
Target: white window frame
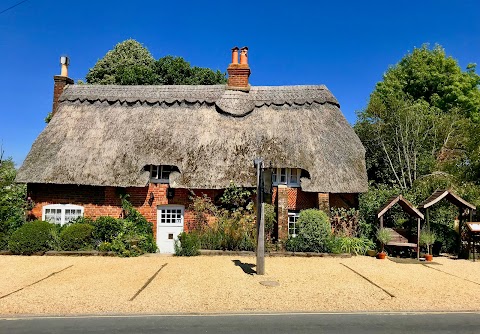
160, 171
294, 217
62, 207
288, 172
162, 210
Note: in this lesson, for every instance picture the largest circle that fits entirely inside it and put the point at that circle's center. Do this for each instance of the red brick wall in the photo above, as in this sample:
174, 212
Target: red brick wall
297, 199
105, 201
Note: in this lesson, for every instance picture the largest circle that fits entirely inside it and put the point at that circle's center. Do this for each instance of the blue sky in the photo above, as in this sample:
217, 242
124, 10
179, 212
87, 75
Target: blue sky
346, 45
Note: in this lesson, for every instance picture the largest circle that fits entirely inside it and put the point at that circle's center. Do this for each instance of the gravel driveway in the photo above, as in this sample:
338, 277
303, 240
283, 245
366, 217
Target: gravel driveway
205, 284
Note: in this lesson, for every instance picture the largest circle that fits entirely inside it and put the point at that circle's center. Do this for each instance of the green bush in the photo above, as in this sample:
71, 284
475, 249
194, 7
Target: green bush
314, 231
106, 229
104, 247
132, 242
351, 245
187, 244
233, 230
31, 238
294, 244
270, 220
77, 237
7, 227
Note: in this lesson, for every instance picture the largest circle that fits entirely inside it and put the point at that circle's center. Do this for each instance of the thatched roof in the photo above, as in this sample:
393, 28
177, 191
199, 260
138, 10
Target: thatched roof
106, 135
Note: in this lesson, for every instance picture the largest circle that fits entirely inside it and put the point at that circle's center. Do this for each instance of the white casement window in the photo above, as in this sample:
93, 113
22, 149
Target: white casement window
160, 174
288, 176
292, 223
61, 213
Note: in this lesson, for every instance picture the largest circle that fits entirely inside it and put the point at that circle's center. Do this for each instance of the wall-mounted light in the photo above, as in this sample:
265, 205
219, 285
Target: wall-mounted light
151, 198
170, 193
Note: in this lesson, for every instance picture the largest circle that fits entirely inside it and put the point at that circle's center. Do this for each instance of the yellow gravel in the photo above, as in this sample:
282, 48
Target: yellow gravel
215, 284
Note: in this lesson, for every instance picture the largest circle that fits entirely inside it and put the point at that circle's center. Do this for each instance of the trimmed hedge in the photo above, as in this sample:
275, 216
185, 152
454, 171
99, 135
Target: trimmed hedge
315, 233
77, 237
31, 238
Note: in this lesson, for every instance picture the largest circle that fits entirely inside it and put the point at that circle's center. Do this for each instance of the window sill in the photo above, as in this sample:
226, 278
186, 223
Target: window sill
162, 181
286, 184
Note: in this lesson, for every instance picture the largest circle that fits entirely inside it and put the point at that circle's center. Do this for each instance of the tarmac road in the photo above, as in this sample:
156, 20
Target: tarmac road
254, 323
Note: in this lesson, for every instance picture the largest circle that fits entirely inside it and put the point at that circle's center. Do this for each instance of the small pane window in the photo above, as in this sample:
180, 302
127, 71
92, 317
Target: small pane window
288, 176
294, 174
283, 175
154, 172
61, 213
292, 224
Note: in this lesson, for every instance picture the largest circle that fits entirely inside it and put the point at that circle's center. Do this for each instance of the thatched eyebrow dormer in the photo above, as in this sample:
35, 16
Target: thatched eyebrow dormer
106, 135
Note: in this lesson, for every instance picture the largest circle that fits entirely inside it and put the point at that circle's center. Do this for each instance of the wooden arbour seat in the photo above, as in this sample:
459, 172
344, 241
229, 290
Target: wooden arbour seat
398, 239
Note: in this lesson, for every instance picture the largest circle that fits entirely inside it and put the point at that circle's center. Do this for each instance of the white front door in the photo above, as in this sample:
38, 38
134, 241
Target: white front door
169, 226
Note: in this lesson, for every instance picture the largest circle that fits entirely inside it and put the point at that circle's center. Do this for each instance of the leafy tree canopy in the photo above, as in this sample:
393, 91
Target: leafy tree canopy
422, 119
429, 75
130, 63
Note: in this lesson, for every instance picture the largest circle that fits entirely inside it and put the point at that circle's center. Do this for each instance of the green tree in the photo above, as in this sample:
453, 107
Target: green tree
177, 71
129, 63
421, 120
12, 200
430, 75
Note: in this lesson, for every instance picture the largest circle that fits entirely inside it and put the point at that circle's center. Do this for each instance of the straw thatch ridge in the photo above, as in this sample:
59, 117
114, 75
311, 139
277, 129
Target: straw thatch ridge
106, 135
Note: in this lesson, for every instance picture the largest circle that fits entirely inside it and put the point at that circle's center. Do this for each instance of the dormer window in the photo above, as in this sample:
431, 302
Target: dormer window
287, 176
161, 173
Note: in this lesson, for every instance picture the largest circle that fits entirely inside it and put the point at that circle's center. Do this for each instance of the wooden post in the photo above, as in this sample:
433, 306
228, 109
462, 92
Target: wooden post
260, 219
427, 218
460, 221
381, 221
418, 239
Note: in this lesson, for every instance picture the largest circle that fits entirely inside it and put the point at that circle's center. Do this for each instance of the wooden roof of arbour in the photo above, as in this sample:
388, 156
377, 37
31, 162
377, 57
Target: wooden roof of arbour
406, 206
438, 195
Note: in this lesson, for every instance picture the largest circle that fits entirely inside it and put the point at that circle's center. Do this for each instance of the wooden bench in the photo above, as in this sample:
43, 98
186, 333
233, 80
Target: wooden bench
399, 239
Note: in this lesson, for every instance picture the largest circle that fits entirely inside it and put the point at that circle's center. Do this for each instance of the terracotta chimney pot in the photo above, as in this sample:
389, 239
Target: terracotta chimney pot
243, 55
235, 55
238, 74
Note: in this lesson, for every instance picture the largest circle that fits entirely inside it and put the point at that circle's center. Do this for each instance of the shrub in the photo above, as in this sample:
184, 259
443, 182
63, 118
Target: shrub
105, 247
294, 244
132, 242
270, 220
314, 231
76, 237
351, 245
31, 238
106, 228
187, 244
344, 222
383, 236
427, 239
7, 227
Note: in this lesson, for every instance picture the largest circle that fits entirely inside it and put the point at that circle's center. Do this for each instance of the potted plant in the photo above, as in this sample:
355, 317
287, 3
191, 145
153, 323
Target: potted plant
384, 237
428, 238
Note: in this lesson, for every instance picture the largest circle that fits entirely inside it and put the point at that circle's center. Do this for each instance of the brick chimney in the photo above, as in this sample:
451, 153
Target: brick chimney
238, 73
60, 82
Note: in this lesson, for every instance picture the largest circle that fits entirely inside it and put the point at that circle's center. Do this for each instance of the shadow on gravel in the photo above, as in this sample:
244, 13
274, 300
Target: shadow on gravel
246, 267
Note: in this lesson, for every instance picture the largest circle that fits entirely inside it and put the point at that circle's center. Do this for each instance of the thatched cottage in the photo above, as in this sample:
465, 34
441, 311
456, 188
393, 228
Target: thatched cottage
158, 143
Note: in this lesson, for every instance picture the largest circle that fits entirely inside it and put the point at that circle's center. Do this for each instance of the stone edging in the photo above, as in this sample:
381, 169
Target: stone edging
79, 253
208, 252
